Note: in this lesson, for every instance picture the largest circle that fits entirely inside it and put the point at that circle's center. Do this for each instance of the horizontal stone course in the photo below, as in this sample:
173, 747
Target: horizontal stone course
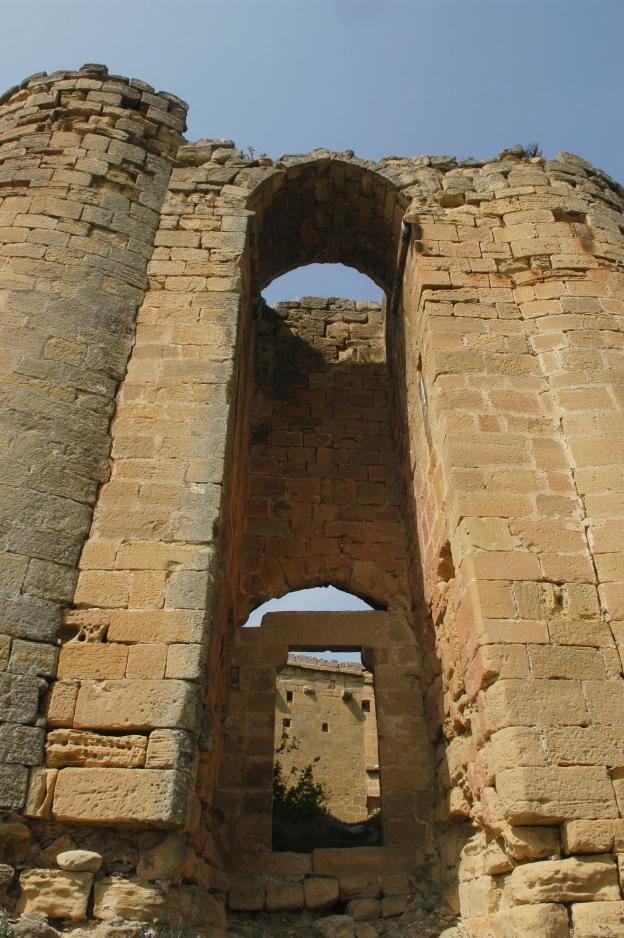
137, 705
121, 796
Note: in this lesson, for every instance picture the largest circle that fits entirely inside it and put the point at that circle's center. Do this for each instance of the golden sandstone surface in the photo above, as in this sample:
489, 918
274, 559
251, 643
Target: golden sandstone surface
174, 453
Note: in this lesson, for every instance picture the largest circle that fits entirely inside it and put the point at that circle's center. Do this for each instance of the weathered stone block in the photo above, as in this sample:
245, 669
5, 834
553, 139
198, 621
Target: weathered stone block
186, 661
359, 887
282, 895
156, 625
19, 698
530, 843
33, 658
62, 703
537, 794
362, 860
41, 792
123, 898
593, 919
79, 748
585, 745
137, 705
161, 856
392, 906
92, 661
286, 863
572, 880
363, 909
593, 836
13, 785
122, 796
532, 703
55, 894
148, 661
170, 749
478, 896
545, 920
22, 744
246, 894
321, 892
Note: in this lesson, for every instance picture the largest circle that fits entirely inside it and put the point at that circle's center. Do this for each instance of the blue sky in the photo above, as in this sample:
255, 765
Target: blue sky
381, 77
320, 598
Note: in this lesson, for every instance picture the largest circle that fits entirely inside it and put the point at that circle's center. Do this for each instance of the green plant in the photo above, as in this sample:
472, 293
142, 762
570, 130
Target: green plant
5, 928
296, 794
531, 149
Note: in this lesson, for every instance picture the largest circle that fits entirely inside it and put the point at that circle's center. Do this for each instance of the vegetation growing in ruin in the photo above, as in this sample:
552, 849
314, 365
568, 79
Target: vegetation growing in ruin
301, 821
297, 797
5, 929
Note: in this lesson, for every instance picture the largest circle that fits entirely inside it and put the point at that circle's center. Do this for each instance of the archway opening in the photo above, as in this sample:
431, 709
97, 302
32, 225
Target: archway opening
323, 500
326, 598
335, 280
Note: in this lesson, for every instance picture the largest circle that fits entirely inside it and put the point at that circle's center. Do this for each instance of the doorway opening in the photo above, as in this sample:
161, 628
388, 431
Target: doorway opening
326, 789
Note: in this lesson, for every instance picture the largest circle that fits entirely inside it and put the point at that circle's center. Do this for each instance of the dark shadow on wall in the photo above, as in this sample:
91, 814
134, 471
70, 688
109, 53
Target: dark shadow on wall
323, 499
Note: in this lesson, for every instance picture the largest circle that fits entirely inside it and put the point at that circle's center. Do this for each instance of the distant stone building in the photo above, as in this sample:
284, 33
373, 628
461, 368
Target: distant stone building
173, 453
328, 709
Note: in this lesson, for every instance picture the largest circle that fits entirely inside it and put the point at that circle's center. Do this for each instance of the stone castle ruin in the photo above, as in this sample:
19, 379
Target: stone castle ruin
174, 453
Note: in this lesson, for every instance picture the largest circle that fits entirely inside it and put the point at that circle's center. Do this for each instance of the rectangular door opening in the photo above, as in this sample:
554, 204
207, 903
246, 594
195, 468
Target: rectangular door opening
326, 786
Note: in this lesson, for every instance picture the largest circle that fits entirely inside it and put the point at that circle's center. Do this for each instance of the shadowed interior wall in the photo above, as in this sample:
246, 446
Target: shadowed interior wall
323, 500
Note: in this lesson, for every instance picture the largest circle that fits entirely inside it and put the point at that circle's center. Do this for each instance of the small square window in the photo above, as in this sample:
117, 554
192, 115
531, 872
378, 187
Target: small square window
325, 727
289, 696
285, 723
366, 706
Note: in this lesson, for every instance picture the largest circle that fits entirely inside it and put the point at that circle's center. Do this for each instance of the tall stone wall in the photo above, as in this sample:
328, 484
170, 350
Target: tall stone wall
504, 320
508, 337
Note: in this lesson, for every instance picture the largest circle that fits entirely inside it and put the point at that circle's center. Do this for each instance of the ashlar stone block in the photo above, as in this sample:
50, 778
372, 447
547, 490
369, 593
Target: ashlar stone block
122, 796
571, 880
55, 894
67, 747
282, 895
137, 705
591, 919
21, 744
538, 794
544, 919
13, 785
19, 698
321, 892
123, 898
